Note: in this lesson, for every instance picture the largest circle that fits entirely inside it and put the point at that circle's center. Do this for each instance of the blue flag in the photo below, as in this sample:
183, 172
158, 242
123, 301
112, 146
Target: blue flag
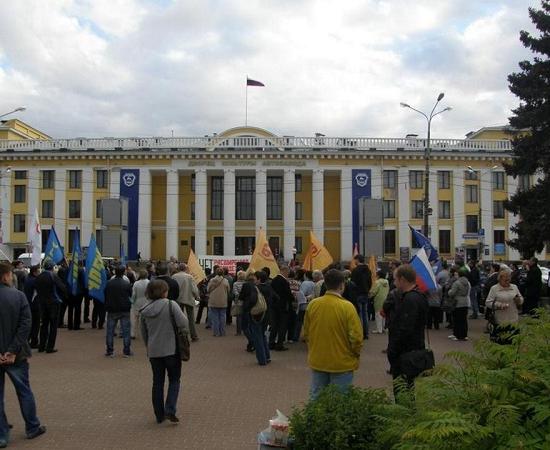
96, 277
423, 242
54, 251
122, 255
72, 276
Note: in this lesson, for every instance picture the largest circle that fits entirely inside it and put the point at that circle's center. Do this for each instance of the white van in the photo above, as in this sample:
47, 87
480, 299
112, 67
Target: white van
25, 258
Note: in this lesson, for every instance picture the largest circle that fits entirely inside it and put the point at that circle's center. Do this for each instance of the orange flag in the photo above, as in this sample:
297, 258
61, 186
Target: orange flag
195, 268
353, 262
373, 268
317, 257
263, 256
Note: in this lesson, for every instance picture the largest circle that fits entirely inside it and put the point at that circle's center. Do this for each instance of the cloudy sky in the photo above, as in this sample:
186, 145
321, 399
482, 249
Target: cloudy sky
150, 67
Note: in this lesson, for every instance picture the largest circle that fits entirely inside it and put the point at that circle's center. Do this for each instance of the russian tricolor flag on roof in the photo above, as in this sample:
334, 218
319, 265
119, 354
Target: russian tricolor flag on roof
425, 279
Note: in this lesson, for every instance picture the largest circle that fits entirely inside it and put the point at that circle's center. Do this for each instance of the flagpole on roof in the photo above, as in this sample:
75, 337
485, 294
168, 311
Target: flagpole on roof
246, 103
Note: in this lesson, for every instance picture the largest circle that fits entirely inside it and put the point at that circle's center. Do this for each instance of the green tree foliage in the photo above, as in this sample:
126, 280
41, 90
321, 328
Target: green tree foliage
532, 150
495, 398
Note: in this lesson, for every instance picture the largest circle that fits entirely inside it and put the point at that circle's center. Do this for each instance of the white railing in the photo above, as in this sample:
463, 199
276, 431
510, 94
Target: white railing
255, 143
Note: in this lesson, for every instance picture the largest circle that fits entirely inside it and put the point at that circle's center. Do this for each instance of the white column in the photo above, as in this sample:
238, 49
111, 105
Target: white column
346, 215
434, 205
289, 213
172, 213
229, 212
513, 254
261, 200
60, 206
144, 219
5, 206
486, 206
459, 219
318, 203
114, 183
404, 208
87, 209
201, 193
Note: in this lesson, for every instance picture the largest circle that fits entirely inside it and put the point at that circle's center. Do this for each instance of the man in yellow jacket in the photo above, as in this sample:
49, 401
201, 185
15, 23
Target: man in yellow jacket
334, 336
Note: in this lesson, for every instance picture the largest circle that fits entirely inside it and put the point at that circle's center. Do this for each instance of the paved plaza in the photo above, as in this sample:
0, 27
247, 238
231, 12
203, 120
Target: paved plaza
88, 401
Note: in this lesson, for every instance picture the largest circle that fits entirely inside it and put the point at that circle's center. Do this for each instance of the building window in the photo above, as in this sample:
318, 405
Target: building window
216, 203
244, 245
19, 223
389, 179
298, 244
20, 193
524, 182
471, 175
246, 198
299, 211
389, 242
389, 209
274, 198
444, 209
47, 209
218, 245
298, 182
192, 210
20, 174
193, 182
417, 210
471, 193
416, 179
99, 240
48, 179
98, 208
73, 234
471, 224
443, 179
102, 179
499, 241
444, 241
74, 209
498, 209
75, 179
498, 181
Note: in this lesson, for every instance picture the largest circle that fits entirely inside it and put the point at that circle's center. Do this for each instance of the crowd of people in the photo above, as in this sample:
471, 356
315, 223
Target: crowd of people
330, 310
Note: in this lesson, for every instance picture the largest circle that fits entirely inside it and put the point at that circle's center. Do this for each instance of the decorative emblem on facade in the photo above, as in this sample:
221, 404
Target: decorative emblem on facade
129, 179
361, 179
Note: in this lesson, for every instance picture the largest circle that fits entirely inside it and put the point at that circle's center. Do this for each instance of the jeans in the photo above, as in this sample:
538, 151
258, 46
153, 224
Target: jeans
112, 320
170, 365
257, 335
474, 292
363, 301
245, 323
321, 379
217, 316
49, 316
19, 376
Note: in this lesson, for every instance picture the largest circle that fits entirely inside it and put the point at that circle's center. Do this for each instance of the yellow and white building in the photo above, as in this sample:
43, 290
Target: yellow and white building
213, 193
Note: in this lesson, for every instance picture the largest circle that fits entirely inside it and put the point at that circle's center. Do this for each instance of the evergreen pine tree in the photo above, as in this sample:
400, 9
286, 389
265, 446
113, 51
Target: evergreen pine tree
532, 149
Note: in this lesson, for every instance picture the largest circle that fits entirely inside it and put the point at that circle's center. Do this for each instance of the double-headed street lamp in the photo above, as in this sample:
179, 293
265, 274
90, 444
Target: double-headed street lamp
427, 154
21, 108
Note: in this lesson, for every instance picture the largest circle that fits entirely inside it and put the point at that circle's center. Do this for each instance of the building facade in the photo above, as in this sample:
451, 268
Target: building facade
213, 193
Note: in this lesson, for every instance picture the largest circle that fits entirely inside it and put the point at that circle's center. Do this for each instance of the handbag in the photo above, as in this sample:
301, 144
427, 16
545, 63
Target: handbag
237, 308
261, 305
183, 347
415, 362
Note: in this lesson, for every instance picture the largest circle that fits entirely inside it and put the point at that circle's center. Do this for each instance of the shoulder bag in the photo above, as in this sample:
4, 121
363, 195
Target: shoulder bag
261, 305
183, 347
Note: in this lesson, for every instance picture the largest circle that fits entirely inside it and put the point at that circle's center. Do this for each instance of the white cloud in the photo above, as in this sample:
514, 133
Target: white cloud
147, 67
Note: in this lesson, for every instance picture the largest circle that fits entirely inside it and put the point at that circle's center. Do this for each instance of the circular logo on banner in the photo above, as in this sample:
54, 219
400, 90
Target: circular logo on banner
129, 179
361, 179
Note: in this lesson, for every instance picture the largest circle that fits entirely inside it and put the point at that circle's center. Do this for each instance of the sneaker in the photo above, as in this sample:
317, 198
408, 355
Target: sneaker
172, 418
110, 355
463, 339
128, 355
40, 430
3, 443
452, 336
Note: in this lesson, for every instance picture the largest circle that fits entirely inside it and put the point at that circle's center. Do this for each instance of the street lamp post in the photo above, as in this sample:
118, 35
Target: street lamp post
427, 154
21, 108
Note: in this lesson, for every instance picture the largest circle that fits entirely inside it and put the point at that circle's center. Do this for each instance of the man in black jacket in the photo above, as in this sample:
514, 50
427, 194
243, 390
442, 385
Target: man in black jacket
362, 278
173, 286
30, 293
50, 292
15, 325
281, 306
117, 304
406, 331
474, 277
533, 286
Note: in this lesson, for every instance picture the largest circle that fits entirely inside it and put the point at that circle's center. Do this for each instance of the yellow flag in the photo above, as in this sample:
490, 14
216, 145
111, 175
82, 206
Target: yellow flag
317, 257
195, 268
373, 268
263, 256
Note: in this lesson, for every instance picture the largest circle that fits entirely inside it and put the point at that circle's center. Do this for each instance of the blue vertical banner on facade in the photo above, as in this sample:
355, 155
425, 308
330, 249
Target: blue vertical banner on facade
361, 188
129, 188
